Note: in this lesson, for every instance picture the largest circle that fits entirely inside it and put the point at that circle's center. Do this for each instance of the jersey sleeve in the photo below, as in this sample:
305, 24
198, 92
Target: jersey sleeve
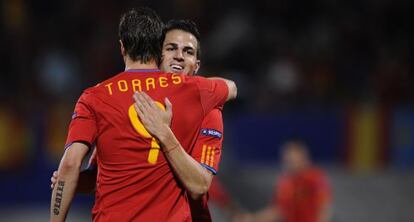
207, 150
213, 92
83, 127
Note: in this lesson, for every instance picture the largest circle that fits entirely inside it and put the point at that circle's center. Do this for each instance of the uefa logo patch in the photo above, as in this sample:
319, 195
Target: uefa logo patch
211, 132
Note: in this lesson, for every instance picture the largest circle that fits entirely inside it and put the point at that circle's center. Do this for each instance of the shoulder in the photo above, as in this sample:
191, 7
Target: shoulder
95, 89
108, 81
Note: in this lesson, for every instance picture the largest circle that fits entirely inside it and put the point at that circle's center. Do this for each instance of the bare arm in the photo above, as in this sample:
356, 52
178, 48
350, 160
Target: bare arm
87, 178
68, 174
194, 177
231, 85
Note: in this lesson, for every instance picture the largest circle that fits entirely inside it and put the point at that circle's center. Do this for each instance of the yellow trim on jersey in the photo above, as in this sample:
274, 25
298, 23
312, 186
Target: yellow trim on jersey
203, 154
153, 153
212, 157
208, 155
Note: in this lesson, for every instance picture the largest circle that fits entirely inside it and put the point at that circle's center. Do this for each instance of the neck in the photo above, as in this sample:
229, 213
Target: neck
129, 64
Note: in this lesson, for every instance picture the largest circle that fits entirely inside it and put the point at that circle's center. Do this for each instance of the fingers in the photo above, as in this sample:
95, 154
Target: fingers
168, 110
139, 106
168, 105
143, 100
53, 179
139, 111
135, 96
146, 104
149, 101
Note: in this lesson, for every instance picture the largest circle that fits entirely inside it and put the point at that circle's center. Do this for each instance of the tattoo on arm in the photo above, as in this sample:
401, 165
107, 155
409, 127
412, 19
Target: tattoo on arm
59, 196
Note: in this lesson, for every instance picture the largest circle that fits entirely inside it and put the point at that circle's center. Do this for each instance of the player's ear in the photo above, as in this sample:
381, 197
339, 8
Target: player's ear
122, 48
198, 64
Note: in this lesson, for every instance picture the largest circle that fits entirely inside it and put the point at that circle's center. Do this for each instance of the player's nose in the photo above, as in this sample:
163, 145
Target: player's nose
178, 55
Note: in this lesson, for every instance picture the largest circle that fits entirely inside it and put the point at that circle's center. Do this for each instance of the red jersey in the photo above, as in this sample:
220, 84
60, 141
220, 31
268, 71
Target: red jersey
207, 151
134, 181
300, 197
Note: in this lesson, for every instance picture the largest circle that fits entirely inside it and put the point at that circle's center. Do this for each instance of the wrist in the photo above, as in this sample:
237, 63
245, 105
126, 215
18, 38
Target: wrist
165, 136
168, 149
168, 141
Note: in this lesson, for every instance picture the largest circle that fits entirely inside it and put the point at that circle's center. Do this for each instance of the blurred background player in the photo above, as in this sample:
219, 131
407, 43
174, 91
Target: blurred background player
181, 54
302, 192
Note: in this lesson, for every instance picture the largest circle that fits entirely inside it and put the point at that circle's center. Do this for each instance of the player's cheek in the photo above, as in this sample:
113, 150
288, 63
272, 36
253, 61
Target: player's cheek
167, 55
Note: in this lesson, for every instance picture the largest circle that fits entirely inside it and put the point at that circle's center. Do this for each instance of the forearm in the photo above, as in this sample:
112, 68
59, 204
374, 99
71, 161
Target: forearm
67, 180
63, 193
193, 176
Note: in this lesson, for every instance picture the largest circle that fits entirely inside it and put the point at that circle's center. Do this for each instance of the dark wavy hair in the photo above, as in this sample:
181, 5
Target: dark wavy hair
140, 30
186, 26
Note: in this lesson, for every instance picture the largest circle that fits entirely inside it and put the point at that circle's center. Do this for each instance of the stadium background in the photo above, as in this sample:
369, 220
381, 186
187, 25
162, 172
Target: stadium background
338, 74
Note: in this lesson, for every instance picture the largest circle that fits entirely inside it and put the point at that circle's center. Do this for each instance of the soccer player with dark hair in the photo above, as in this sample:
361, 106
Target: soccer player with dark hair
181, 53
135, 181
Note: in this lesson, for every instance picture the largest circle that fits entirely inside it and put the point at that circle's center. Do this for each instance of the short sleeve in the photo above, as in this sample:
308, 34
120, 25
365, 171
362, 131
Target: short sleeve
83, 127
213, 93
208, 147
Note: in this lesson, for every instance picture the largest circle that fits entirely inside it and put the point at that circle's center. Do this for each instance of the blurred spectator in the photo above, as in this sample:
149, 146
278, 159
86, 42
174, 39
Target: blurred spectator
292, 53
58, 73
302, 193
